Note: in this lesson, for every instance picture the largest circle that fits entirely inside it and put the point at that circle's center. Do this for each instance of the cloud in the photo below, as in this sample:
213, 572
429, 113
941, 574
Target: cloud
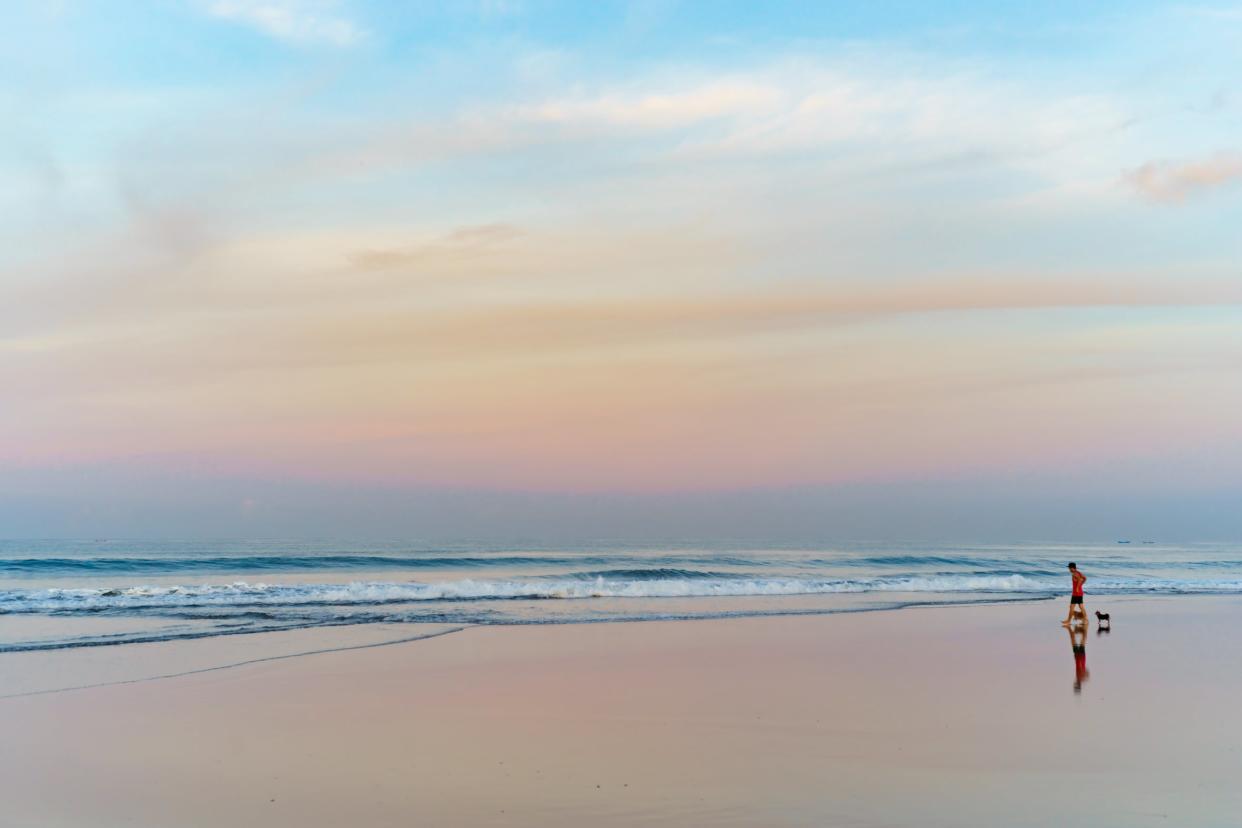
463, 242
693, 392
917, 107
1174, 181
292, 21
661, 109
395, 326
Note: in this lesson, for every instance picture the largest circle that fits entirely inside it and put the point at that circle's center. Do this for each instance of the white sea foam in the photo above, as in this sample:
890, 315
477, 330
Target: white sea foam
242, 594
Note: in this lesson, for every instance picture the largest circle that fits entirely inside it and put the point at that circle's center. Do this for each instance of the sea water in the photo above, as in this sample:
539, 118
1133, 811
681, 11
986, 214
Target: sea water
89, 593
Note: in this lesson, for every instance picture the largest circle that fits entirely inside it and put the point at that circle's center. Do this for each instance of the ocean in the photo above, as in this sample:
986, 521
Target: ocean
92, 593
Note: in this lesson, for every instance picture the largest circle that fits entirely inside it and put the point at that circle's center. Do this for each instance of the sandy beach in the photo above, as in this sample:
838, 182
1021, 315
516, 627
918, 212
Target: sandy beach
929, 716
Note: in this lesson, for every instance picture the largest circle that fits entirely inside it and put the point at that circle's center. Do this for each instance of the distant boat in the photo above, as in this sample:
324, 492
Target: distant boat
1148, 541
1123, 541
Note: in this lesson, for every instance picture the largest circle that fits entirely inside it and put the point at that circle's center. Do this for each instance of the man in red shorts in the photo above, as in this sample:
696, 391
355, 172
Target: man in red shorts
1076, 608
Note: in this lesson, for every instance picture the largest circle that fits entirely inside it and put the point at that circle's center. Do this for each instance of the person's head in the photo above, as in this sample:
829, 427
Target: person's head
1073, 565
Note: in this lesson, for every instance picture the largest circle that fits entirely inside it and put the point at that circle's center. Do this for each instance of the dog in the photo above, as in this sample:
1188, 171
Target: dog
1104, 619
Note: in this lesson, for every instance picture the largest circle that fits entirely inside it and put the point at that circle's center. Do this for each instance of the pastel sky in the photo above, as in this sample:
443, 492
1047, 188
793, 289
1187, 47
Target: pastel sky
505, 266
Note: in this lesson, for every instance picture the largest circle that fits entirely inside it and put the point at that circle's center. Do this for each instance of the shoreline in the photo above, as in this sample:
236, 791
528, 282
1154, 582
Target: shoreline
354, 636
348, 632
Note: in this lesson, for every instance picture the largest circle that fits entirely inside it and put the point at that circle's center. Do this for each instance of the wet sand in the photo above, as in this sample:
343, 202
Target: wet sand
928, 717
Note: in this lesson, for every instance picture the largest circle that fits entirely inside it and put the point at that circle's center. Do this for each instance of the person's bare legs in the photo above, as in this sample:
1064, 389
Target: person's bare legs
1076, 613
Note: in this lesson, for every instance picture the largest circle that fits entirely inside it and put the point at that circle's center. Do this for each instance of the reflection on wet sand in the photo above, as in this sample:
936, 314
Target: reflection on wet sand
789, 721
1078, 644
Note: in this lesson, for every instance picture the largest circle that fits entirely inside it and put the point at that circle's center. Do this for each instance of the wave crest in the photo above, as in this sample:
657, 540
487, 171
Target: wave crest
650, 584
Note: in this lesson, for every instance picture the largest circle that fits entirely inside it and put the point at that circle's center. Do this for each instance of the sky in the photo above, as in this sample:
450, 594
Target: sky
510, 268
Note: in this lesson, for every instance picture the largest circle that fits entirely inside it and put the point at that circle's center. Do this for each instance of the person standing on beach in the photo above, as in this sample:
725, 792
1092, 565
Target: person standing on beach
1076, 608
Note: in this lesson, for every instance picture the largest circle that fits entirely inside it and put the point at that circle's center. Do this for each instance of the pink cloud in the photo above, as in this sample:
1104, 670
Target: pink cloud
1172, 181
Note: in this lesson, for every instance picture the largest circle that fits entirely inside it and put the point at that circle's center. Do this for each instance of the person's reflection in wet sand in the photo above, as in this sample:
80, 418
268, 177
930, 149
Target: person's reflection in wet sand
1078, 643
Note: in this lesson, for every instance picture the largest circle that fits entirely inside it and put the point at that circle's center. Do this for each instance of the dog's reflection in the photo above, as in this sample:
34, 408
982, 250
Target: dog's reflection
1078, 643
1104, 623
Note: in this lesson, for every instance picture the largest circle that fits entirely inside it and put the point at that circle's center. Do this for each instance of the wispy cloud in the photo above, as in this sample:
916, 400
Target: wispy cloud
464, 241
293, 21
811, 104
1174, 181
663, 108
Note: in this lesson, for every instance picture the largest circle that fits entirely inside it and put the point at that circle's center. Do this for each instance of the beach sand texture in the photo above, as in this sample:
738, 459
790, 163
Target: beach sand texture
963, 716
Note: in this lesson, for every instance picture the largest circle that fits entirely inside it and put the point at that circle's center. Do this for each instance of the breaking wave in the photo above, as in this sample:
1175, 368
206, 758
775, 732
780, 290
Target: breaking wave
169, 590
661, 583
